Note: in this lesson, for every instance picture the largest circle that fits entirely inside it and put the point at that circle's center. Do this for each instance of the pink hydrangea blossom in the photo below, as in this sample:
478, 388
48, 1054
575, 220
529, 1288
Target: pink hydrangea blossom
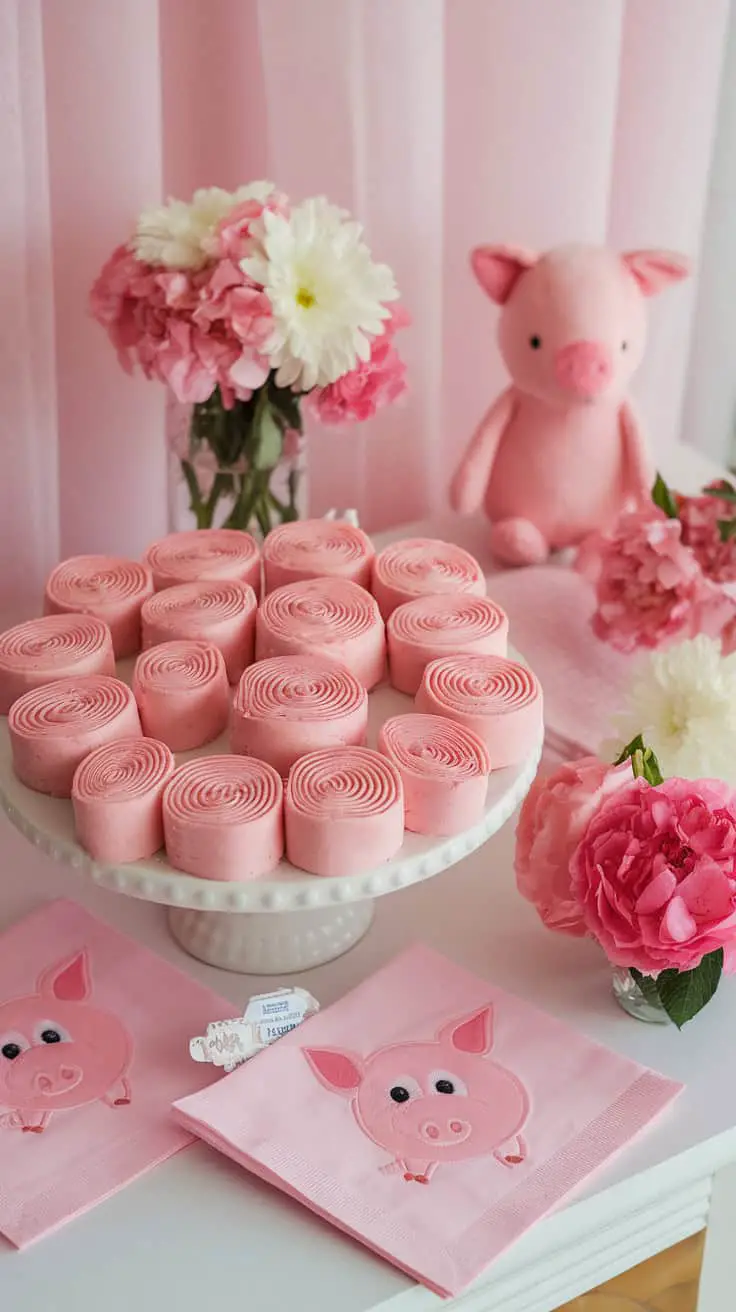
699, 517
193, 330
553, 819
373, 383
655, 874
234, 235
650, 588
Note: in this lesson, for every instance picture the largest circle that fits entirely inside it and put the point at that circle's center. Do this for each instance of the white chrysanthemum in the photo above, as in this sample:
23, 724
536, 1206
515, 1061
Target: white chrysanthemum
326, 293
178, 234
683, 702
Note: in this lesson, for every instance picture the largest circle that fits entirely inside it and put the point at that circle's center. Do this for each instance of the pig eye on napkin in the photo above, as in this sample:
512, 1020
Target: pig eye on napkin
429, 1114
94, 1034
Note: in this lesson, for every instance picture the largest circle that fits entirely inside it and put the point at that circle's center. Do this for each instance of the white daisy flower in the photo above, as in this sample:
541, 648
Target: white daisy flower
326, 293
178, 234
683, 702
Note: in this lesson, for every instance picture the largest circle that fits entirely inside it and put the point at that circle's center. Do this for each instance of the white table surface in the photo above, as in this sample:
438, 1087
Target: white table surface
199, 1231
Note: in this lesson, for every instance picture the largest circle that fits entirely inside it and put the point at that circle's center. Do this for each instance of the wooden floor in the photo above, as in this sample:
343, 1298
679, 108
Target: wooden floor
666, 1283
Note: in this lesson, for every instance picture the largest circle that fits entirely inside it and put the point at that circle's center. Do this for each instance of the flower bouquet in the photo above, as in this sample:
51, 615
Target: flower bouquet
244, 304
643, 864
666, 572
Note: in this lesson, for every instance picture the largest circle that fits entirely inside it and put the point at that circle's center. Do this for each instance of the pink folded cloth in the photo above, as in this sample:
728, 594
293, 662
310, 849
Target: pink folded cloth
94, 1046
429, 1115
583, 679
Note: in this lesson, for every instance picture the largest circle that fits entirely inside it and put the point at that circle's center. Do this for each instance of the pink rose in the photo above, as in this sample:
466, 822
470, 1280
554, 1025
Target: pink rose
655, 874
373, 383
699, 517
649, 588
552, 821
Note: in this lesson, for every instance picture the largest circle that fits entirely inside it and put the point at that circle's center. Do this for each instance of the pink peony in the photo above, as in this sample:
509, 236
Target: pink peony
553, 819
649, 586
699, 517
655, 874
373, 383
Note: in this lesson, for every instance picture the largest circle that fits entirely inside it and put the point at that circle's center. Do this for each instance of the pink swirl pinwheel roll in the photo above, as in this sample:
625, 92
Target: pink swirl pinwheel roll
182, 693
54, 727
109, 587
326, 617
316, 548
205, 553
223, 613
344, 811
224, 818
444, 769
498, 699
117, 796
55, 647
291, 705
443, 624
415, 567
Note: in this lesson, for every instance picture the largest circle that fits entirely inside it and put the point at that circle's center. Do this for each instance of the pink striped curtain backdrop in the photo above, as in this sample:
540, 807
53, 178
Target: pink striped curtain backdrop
441, 123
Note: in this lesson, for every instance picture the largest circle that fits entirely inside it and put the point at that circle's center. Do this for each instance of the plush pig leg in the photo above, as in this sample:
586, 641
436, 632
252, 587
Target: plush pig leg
518, 542
513, 1158
119, 1095
38, 1124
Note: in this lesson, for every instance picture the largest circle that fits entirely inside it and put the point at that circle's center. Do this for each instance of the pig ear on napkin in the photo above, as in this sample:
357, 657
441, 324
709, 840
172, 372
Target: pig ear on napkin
340, 1072
655, 270
67, 980
498, 268
473, 1033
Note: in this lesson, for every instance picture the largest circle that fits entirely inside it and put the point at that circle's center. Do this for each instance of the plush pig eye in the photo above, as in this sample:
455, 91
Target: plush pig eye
446, 1082
12, 1045
624, 346
47, 1031
535, 342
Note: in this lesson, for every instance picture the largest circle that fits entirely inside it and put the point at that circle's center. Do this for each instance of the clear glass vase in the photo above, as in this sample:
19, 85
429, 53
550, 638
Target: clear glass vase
241, 467
637, 1003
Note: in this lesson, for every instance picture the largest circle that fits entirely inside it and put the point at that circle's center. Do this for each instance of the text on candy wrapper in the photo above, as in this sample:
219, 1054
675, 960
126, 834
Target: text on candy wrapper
268, 1017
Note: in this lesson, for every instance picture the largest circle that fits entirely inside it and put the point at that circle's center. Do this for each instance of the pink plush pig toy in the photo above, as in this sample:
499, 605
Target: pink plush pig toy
561, 451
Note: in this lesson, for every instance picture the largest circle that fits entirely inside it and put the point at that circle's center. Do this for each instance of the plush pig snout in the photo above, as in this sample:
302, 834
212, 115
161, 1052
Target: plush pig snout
583, 368
444, 1130
63, 1079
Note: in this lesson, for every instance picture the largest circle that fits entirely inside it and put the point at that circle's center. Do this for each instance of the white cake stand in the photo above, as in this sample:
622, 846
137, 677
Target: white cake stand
289, 921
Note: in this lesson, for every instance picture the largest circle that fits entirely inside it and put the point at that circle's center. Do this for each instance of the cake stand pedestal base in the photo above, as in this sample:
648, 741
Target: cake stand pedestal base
261, 943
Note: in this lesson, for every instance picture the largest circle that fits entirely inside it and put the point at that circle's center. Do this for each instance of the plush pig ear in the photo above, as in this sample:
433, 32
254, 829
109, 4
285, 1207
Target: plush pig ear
340, 1072
655, 270
474, 1033
498, 269
67, 981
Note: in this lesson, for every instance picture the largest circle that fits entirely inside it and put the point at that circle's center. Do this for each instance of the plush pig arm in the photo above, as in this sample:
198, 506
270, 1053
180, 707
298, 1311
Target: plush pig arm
638, 468
471, 479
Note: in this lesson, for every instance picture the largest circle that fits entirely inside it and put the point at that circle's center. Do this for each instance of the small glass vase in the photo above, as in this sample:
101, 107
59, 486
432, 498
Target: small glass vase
634, 1001
239, 468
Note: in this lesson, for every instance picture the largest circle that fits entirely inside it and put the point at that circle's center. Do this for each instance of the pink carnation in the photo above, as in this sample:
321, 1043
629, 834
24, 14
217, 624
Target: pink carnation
699, 517
655, 874
373, 383
649, 587
553, 819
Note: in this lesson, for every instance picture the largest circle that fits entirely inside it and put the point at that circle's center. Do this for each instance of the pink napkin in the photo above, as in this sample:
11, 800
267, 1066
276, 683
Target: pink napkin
431, 1116
94, 1046
584, 680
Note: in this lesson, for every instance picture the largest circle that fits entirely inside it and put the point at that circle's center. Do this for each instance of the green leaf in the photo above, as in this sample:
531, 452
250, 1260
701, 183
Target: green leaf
644, 763
647, 986
724, 492
268, 440
683, 993
727, 529
662, 497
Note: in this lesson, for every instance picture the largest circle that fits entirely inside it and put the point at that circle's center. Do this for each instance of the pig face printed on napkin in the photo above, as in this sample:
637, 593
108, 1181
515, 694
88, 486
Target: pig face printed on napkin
432, 1102
58, 1051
